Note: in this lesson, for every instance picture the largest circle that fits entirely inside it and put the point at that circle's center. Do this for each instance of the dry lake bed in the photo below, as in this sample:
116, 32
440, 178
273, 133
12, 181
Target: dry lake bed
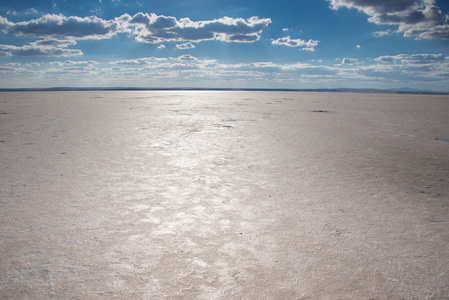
223, 195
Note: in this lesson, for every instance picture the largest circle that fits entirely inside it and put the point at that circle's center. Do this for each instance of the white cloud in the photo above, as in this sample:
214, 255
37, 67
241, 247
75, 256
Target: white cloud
31, 11
71, 63
139, 61
187, 57
187, 70
301, 44
161, 46
418, 18
148, 28
58, 26
5, 24
188, 63
185, 46
412, 58
380, 34
6, 69
425, 70
151, 28
58, 32
425, 32
37, 50
54, 43
349, 61
74, 67
410, 73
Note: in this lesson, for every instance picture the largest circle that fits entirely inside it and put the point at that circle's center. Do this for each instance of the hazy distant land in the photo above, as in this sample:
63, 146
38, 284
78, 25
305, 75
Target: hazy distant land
224, 195
405, 90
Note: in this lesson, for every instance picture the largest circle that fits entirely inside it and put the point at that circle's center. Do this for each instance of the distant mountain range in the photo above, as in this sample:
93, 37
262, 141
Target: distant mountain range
404, 90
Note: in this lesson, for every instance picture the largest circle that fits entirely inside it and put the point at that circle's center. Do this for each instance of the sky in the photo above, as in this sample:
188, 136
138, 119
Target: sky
302, 44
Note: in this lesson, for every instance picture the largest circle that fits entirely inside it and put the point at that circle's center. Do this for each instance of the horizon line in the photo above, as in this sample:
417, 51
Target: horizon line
356, 90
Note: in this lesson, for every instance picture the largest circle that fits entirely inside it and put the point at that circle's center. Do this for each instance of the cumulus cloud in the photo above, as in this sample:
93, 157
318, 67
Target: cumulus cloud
412, 58
185, 46
191, 65
6, 69
301, 44
37, 50
71, 63
380, 34
349, 61
425, 32
151, 28
148, 28
418, 18
74, 66
54, 43
395, 70
409, 68
59, 26
139, 61
58, 32
5, 24
187, 57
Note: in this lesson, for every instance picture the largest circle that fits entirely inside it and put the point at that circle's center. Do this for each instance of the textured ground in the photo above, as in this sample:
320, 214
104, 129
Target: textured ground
223, 195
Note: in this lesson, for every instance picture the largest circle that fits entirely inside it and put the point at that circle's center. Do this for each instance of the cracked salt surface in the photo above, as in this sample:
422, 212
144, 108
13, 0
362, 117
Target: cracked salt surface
155, 198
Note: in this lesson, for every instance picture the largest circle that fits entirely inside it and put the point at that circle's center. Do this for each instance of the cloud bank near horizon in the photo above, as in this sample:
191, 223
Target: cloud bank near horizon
402, 68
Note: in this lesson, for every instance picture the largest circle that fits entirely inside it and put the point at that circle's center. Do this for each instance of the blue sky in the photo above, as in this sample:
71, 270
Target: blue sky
225, 44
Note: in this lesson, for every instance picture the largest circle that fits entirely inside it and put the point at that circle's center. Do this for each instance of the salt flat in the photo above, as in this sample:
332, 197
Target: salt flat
223, 195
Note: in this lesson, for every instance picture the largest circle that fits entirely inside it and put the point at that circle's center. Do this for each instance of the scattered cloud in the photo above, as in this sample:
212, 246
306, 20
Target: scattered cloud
415, 18
412, 58
409, 68
58, 32
72, 66
301, 44
6, 69
56, 35
5, 24
139, 61
71, 63
187, 57
146, 71
349, 61
189, 63
31, 11
185, 46
58, 26
37, 50
151, 28
380, 34
54, 43
147, 28
427, 32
